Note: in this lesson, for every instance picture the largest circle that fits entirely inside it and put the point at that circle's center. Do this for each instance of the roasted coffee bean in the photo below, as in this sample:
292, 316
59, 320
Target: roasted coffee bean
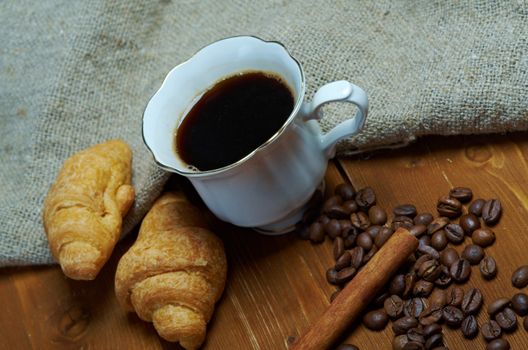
416, 334
427, 249
379, 300
347, 347
410, 281
444, 280
473, 253
418, 230
454, 233
402, 325
469, 327
432, 329
364, 241
337, 212
393, 306
483, 237
399, 342
472, 301
450, 207
455, 296
520, 277
435, 341
498, 305
343, 261
438, 298
356, 257
460, 270
377, 215
413, 307
506, 319
476, 206
350, 239
437, 225
418, 263
402, 221
333, 228
360, 220
448, 256
345, 275
365, 198
431, 315
452, 315
376, 320
491, 330
498, 344
469, 223
525, 323
346, 228
323, 219
520, 304
405, 210
423, 219
374, 231
424, 240
488, 267
316, 232
491, 212
423, 288
397, 285
383, 236
439, 240
350, 206
463, 194
414, 345
370, 254
430, 270
339, 247
345, 191
331, 275
330, 202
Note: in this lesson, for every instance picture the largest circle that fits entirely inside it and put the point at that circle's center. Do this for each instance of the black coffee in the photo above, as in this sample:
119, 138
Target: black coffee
232, 119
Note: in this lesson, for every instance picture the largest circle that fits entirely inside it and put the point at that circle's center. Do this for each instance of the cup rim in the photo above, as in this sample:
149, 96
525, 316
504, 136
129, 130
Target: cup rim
289, 120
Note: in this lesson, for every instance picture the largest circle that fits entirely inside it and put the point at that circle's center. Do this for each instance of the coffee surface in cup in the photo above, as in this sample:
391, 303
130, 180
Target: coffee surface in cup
232, 119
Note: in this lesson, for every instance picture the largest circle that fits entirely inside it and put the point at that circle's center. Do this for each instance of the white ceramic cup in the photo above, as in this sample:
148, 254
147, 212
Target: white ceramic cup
268, 189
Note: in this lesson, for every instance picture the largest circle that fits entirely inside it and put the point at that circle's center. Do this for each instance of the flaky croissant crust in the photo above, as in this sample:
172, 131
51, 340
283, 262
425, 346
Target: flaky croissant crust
84, 208
174, 273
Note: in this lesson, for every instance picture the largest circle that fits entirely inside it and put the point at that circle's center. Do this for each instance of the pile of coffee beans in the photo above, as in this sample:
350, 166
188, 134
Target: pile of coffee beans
427, 292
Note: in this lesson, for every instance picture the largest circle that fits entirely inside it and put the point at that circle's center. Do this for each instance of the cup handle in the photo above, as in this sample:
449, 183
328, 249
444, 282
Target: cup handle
344, 91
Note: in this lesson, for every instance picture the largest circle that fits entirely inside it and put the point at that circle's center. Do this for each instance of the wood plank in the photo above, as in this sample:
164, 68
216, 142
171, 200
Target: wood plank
276, 285
494, 167
54, 312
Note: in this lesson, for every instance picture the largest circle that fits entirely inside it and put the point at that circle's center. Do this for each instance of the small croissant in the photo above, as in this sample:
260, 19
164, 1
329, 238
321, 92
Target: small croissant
175, 271
84, 208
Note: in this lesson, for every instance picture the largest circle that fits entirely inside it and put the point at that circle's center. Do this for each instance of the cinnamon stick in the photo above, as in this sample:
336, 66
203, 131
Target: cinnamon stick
355, 297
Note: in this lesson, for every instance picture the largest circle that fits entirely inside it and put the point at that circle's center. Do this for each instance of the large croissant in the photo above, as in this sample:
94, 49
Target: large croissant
84, 208
175, 271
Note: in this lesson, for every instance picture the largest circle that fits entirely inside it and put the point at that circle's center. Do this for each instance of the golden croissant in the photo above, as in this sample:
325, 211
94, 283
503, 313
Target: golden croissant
175, 271
84, 208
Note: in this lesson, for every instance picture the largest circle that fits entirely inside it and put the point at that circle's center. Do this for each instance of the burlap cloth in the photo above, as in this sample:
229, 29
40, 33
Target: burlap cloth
74, 73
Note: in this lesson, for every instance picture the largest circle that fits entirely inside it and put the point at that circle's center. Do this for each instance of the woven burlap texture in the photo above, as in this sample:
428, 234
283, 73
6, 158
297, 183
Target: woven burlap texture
75, 73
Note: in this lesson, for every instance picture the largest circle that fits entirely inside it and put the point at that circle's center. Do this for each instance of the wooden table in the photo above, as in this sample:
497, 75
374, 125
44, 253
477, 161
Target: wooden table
276, 285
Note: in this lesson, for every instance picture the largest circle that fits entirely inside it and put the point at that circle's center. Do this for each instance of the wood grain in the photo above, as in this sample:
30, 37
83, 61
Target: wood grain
276, 285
